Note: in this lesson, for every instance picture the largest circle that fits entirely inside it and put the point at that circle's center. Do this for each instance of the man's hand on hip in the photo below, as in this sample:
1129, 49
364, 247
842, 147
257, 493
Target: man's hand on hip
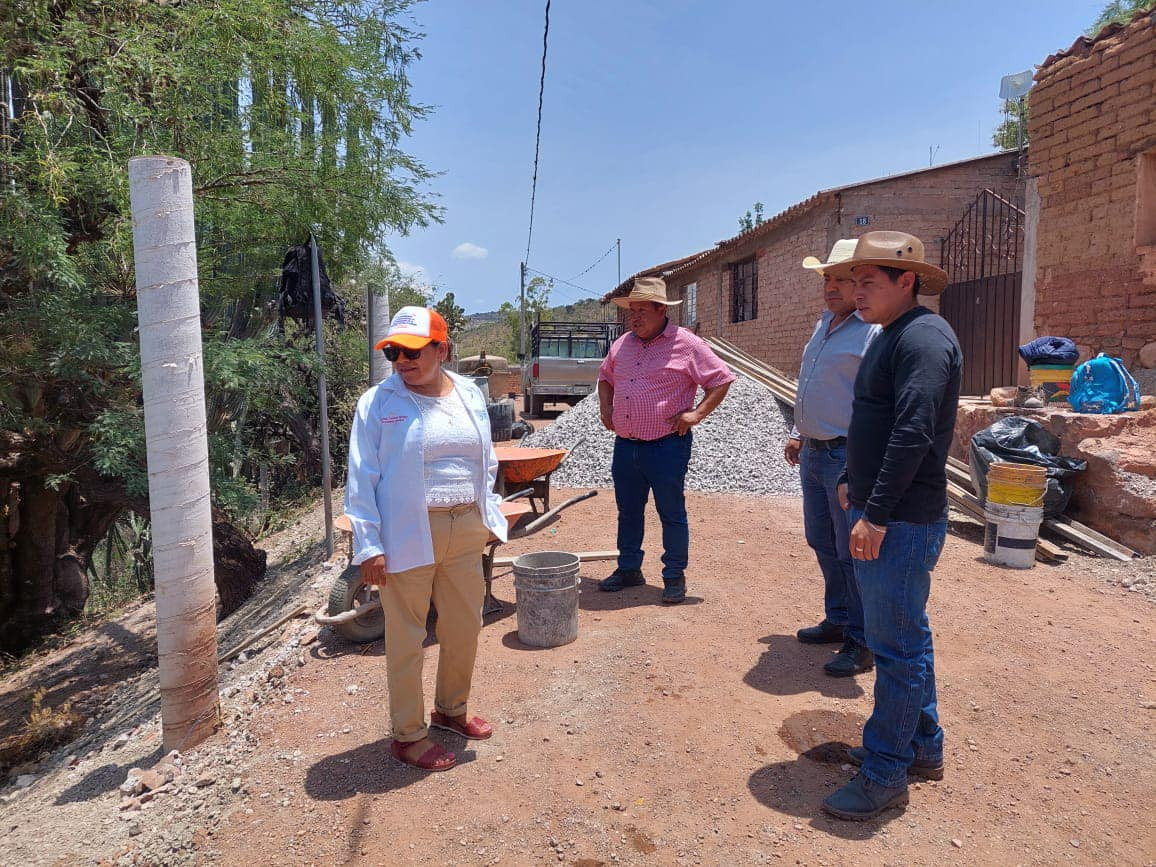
791, 451
684, 421
866, 540
373, 571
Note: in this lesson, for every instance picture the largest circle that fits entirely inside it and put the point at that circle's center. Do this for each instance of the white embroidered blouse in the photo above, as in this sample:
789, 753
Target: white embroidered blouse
452, 453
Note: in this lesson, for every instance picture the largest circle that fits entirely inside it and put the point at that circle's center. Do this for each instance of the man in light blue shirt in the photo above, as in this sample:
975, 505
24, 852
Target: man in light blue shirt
818, 446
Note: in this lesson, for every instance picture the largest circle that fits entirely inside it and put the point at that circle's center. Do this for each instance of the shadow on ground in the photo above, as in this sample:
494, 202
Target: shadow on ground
797, 788
372, 769
102, 780
789, 667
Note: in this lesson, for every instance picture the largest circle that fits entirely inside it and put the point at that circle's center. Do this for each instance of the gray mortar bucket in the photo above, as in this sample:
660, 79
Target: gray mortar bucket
546, 585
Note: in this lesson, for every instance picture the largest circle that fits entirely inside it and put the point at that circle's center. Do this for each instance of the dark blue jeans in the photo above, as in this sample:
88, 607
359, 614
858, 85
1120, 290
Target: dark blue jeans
827, 529
639, 468
904, 724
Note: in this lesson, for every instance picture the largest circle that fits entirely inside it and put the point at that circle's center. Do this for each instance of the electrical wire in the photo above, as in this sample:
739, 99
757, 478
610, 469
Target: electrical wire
538, 135
596, 262
589, 292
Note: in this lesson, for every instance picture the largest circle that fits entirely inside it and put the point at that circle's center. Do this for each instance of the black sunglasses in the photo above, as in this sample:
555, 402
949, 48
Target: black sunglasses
392, 353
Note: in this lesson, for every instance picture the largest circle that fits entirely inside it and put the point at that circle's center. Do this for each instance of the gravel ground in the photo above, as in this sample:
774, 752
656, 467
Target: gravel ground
738, 449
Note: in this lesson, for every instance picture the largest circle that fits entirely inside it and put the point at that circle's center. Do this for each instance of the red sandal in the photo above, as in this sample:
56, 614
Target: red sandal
436, 758
475, 728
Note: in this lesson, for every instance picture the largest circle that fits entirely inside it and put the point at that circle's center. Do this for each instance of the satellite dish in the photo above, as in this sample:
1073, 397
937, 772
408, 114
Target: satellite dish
1016, 85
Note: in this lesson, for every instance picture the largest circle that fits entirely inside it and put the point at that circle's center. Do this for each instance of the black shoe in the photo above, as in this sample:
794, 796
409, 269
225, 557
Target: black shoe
923, 768
825, 633
861, 799
674, 592
852, 659
620, 578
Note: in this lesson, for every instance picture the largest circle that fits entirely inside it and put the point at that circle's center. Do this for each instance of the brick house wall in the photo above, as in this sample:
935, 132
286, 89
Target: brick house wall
1093, 152
926, 203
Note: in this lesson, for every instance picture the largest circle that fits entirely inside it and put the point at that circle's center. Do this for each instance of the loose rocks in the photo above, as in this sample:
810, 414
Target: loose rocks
737, 449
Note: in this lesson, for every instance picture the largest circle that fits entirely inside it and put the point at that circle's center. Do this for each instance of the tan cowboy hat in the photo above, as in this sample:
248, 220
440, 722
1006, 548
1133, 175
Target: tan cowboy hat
841, 252
893, 250
646, 289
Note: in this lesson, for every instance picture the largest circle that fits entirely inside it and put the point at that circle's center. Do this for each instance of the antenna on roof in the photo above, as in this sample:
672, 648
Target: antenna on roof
1014, 88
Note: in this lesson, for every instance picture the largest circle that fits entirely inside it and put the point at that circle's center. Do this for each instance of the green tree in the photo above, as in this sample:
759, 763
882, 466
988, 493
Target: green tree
291, 117
1007, 136
454, 315
1118, 11
748, 220
537, 310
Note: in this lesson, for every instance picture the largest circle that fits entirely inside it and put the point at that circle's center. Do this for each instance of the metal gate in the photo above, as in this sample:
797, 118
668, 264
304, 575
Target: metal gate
983, 257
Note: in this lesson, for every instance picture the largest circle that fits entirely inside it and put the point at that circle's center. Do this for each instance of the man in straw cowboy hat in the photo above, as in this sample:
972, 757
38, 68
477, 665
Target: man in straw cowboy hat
818, 446
902, 422
646, 390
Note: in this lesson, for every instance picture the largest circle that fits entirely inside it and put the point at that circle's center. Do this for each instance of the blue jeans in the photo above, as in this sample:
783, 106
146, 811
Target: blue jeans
827, 529
904, 724
639, 468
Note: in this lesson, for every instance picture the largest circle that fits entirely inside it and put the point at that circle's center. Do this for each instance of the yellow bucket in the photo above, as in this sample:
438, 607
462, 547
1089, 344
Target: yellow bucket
1054, 380
1011, 484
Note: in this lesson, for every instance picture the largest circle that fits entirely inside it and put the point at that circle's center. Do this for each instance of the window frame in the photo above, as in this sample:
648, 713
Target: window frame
690, 304
745, 290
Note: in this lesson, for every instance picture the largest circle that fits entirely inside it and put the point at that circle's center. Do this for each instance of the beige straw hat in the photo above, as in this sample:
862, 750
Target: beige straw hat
841, 252
893, 250
646, 289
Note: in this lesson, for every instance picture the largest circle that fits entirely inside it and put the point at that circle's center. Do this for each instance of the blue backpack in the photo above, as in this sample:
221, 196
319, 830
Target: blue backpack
1103, 385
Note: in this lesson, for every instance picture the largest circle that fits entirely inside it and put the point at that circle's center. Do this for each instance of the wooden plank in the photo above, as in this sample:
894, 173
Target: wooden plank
1086, 537
1046, 551
583, 557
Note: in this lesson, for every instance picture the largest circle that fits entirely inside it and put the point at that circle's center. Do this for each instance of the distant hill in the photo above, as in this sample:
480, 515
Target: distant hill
491, 332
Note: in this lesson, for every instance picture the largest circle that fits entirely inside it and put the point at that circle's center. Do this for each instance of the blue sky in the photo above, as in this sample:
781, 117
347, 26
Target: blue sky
663, 122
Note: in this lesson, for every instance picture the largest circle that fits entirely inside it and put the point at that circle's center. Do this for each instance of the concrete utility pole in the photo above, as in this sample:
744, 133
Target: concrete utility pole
172, 376
379, 316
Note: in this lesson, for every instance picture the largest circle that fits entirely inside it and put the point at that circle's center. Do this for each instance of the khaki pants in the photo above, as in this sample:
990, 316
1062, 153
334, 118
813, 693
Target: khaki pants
454, 582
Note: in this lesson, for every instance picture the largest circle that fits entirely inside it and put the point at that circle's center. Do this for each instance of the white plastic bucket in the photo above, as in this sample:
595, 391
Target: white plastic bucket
1010, 535
546, 586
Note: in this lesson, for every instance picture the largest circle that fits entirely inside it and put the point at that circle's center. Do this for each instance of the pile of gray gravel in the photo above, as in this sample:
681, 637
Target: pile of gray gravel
738, 449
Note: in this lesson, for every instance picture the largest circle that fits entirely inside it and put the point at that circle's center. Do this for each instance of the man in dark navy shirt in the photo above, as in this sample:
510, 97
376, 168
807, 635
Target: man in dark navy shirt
902, 422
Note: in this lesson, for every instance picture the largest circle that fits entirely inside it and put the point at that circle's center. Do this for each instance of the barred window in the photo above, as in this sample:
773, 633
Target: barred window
690, 305
744, 291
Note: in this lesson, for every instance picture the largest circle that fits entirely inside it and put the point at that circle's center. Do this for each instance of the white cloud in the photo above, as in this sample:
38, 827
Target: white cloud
467, 250
414, 272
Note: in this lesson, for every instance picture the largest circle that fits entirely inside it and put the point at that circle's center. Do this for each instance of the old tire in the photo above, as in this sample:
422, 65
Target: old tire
528, 403
539, 407
348, 592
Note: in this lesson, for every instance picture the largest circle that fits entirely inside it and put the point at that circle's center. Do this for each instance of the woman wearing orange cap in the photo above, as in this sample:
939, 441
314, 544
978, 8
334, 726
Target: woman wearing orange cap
420, 497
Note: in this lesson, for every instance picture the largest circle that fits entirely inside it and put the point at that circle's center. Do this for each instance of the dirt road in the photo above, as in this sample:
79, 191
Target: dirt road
704, 733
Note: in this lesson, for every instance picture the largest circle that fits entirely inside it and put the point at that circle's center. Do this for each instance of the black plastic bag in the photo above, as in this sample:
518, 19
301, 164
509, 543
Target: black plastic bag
1023, 441
295, 292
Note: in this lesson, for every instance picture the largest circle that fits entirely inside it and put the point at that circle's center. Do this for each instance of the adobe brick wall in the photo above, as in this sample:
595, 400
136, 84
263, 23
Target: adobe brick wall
1093, 117
926, 204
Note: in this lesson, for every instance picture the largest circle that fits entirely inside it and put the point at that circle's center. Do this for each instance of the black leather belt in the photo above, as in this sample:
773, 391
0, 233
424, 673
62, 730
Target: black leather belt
637, 440
827, 444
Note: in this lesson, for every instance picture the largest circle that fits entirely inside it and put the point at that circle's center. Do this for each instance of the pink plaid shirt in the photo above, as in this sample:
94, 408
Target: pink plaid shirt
655, 380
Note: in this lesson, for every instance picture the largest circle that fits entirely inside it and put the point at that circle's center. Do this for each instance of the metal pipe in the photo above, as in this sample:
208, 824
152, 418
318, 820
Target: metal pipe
323, 399
347, 616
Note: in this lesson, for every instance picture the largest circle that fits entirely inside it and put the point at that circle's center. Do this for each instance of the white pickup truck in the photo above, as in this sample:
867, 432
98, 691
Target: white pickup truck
564, 361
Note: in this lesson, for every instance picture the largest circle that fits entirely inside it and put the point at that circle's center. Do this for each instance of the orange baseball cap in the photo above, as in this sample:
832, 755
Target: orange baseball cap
414, 328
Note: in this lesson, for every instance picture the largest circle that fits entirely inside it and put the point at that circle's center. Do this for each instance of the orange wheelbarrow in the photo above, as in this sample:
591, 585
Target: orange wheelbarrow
530, 470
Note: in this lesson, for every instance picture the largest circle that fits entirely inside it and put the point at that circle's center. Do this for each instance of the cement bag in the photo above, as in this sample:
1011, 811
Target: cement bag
1023, 441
